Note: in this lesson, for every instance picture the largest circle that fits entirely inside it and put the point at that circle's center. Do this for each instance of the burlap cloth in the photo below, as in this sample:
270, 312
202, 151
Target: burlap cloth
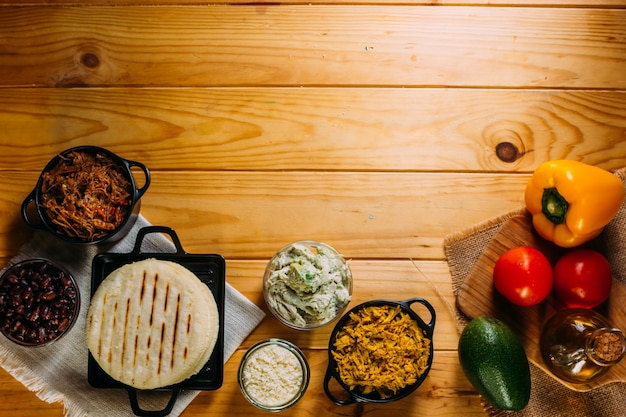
58, 372
548, 397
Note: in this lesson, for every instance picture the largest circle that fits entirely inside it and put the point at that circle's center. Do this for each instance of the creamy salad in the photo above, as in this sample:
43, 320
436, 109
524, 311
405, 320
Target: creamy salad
308, 283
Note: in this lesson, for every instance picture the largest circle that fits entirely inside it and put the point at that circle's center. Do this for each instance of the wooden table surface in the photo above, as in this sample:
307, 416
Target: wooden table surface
376, 126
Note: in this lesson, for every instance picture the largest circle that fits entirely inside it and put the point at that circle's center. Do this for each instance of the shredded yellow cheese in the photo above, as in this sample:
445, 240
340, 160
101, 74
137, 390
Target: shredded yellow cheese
380, 349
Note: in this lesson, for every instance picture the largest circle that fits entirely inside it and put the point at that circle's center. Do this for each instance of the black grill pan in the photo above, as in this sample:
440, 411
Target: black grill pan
211, 270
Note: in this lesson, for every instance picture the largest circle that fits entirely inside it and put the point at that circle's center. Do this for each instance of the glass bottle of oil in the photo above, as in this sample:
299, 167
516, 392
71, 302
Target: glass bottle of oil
579, 345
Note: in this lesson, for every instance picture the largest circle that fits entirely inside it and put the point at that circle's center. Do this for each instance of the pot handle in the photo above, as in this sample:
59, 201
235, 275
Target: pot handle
329, 375
426, 304
25, 204
139, 191
141, 234
138, 411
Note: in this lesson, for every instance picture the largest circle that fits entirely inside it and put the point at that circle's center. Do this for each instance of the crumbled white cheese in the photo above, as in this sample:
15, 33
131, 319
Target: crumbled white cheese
272, 376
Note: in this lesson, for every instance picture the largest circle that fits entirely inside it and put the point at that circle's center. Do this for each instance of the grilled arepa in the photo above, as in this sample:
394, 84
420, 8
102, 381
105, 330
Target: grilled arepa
152, 324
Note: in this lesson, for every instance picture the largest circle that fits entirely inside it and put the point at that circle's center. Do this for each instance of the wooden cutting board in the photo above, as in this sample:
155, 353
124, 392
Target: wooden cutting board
477, 296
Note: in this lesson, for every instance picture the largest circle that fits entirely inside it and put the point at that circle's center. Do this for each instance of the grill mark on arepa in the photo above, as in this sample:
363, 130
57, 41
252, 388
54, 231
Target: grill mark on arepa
154, 296
124, 338
186, 351
148, 350
143, 286
176, 322
113, 325
167, 296
153, 308
161, 350
135, 352
137, 331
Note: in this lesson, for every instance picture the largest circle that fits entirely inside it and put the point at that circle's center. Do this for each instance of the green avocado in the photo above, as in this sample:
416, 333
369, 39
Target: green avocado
494, 362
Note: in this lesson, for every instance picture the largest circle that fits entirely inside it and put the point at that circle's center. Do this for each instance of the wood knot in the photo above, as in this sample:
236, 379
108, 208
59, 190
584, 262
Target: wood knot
507, 152
506, 142
90, 60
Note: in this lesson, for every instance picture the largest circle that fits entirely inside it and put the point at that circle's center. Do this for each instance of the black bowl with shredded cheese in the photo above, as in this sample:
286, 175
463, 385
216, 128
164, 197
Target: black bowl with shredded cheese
273, 375
380, 351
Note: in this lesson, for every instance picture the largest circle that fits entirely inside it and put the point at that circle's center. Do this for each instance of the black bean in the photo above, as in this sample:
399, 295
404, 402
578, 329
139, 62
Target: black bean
65, 281
16, 300
27, 294
63, 324
70, 293
41, 333
49, 295
33, 315
32, 335
17, 326
45, 312
45, 282
37, 303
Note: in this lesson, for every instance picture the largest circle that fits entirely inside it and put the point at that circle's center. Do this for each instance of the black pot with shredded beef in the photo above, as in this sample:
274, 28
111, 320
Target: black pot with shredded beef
86, 195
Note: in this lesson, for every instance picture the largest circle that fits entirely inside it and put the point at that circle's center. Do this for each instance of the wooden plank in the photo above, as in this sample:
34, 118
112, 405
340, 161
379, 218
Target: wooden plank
313, 45
514, 3
253, 214
16, 400
268, 129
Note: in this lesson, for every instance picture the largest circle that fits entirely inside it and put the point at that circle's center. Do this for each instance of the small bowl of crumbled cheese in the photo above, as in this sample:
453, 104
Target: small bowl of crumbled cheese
307, 284
273, 374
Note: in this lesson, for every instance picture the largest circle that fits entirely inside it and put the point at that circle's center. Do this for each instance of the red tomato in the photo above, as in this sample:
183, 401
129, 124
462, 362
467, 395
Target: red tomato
523, 275
582, 278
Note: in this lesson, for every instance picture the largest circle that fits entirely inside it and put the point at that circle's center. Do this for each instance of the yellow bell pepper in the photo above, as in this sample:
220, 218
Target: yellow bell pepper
571, 202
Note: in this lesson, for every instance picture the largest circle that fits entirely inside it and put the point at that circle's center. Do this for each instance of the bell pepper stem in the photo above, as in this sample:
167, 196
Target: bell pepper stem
554, 206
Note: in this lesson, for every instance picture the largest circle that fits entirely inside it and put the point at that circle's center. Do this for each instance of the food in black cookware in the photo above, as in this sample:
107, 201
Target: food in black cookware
152, 324
86, 195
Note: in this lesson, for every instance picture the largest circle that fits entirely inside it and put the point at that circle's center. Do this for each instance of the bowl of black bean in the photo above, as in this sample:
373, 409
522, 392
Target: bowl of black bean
39, 302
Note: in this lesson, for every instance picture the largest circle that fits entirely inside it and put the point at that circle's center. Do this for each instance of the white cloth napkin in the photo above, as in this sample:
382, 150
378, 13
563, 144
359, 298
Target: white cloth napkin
58, 372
